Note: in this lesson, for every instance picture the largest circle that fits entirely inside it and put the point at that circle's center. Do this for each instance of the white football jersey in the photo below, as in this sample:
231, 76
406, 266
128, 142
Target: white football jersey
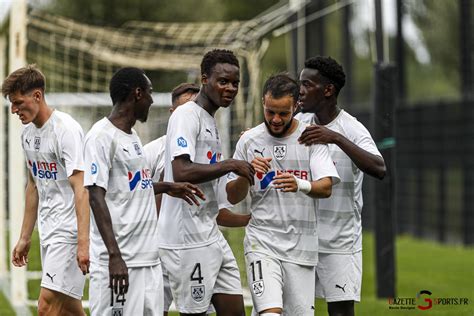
340, 215
115, 161
155, 156
52, 153
191, 131
283, 224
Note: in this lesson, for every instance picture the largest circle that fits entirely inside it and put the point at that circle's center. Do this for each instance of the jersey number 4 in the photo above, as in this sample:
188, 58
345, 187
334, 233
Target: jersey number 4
196, 274
119, 298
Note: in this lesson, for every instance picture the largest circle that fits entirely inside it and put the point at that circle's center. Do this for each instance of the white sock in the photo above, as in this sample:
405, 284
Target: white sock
270, 314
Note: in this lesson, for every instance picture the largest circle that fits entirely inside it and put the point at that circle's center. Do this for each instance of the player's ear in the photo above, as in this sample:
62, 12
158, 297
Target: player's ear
329, 90
137, 93
204, 79
37, 95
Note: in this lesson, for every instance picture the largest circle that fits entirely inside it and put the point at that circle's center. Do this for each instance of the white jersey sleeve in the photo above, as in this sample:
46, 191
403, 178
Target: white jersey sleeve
155, 157
182, 137
322, 165
97, 157
360, 136
70, 142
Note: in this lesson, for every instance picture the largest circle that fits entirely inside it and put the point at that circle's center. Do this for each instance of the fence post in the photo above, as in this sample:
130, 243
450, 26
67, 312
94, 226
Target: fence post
384, 104
16, 162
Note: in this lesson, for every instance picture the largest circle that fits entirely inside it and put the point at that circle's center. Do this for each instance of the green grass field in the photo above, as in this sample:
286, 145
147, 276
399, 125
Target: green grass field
446, 271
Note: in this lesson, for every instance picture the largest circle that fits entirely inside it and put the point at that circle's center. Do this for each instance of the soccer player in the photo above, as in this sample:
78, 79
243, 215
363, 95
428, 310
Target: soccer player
126, 277
339, 271
55, 195
199, 261
281, 239
155, 154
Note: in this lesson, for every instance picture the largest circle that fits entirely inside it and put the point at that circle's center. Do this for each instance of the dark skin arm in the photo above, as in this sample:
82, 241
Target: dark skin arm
118, 272
229, 219
184, 170
370, 164
185, 191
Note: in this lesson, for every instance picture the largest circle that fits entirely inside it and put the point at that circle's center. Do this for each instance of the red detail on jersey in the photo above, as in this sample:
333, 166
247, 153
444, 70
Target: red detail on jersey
130, 176
209, 155
259, 175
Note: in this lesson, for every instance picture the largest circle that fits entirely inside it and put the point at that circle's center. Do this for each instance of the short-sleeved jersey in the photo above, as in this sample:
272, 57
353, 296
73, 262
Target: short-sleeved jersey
155, 157
191, 131
52, 153
115, 161
340, 215
283, 224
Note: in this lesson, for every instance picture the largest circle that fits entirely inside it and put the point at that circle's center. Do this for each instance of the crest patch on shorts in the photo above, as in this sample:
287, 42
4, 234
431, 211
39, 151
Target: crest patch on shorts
117, 311
279, 151
197, 292
258, 287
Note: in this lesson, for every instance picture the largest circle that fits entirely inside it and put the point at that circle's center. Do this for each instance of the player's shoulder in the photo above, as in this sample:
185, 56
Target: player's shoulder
160, 142
101, 129
350, 124
252, 133
65, 121
305, 117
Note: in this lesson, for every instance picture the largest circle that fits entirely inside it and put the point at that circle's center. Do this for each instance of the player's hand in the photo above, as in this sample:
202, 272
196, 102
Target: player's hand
261, 164
83, 256
20, 253
242, 168
285, 182
317, 134
186, 191
118, 274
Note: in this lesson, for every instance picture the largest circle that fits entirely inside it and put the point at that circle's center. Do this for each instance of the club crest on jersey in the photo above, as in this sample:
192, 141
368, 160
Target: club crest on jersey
258, 287
37, 143
197, 292
141, 176
213, 157
266, 179
117, 311
182, 142
137, 148
279, 151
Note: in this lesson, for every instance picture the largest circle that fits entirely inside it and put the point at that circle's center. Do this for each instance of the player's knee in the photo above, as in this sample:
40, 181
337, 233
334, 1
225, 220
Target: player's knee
44, 306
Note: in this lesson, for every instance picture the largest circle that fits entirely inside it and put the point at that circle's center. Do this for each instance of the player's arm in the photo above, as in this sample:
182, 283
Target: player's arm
321, 188
118, 272
228, 218
184, 170
81, 201
369, 163
20, 252
183, 190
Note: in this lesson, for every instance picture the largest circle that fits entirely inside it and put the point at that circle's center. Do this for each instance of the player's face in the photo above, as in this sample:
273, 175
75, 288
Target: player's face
222, 85
278, 114
146, 100
182, 99
26, 106
312, 91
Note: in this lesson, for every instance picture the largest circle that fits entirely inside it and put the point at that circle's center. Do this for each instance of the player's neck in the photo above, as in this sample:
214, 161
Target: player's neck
122, 119
328, 114
43, 115
203, 101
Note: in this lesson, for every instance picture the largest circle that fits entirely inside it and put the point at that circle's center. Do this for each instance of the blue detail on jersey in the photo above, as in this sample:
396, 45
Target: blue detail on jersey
134, 180
265, 182
93, 168
34, 169
182, 142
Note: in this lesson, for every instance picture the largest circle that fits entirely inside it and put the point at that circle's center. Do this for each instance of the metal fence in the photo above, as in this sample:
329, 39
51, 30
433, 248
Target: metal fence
434, 177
